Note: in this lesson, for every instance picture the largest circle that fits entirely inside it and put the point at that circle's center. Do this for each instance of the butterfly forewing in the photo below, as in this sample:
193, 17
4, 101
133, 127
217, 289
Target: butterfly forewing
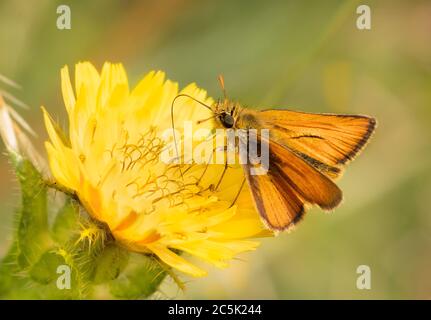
326, 141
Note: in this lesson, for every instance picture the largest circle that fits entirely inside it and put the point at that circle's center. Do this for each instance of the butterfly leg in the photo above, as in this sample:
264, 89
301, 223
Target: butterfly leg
238, 193
226, 166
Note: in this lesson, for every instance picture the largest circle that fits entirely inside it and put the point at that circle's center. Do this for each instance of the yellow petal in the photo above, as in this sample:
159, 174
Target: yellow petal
67, 90
239, 228
114, 86
55, 139
63, 167
86, 76
175, 261
217, 252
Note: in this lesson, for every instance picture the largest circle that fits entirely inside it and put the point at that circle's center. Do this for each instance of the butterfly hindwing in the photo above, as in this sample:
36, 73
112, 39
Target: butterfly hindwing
280, 208
289, 184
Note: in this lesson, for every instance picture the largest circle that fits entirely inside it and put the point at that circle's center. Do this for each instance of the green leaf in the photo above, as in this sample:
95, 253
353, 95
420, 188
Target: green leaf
8, 270
66, 221
110, 263
32, 234
140, 279
44, 271
14, 286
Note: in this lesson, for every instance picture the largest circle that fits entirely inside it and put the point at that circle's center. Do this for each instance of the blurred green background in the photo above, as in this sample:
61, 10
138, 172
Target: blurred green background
305, 55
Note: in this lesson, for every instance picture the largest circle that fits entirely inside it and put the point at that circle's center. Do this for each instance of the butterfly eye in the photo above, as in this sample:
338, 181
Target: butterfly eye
227, 120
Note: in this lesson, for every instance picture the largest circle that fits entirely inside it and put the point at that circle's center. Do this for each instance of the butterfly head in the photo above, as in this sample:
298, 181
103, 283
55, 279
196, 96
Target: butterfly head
227, 120
226, 113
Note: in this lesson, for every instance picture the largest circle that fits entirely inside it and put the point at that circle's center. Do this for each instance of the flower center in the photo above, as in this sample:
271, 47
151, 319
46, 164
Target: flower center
149, 183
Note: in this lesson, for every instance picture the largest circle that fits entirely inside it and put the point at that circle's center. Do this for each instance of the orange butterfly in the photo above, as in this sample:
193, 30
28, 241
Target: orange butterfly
307, 152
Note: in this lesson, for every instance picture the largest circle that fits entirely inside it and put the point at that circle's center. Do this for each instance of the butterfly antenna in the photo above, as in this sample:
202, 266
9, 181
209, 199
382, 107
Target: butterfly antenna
221, 81
173, 122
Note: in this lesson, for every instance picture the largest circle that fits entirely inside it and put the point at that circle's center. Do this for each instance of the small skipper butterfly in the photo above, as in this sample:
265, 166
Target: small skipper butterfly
307, 152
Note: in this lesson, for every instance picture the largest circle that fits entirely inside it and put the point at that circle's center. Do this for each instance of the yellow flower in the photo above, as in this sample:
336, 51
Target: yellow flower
111, 159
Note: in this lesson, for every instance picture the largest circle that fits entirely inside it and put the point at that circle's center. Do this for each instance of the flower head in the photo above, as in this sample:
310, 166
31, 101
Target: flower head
111, 160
